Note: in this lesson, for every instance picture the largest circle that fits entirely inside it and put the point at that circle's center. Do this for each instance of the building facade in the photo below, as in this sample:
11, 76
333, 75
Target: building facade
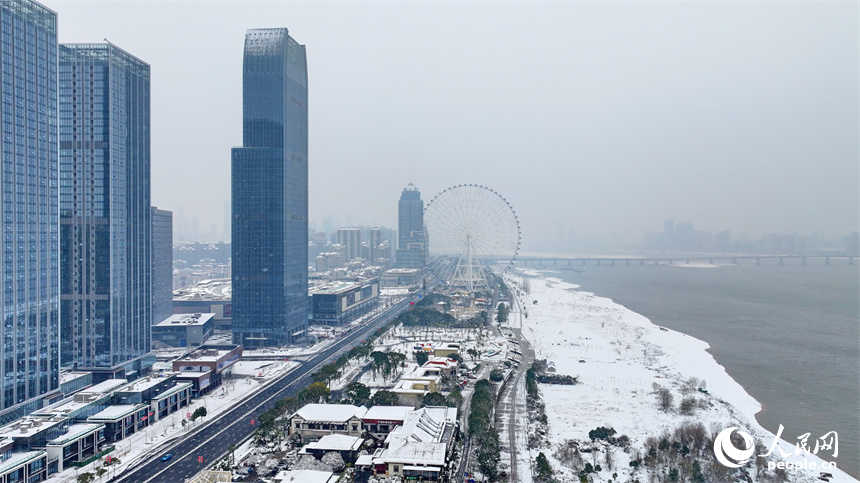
270, 193
105, 212
162, 264
30, 366
412, 243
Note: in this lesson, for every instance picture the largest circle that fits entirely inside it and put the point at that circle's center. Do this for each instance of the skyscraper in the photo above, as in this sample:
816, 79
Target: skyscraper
162, 264
270, 193
375, 240
105, 217
30, 298
412, 237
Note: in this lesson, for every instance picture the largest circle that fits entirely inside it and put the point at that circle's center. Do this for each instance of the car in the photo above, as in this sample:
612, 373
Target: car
166, 457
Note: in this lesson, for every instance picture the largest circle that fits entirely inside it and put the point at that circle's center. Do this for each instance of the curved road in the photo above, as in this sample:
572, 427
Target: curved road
209, 443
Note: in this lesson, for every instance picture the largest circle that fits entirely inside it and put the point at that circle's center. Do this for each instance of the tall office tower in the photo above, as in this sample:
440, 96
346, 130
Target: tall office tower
412, 240
162, 264
270, 193
350, 238
30, 366
375, 240
105, 213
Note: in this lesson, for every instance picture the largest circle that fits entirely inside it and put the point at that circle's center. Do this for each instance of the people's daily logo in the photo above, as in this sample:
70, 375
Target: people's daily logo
727, 453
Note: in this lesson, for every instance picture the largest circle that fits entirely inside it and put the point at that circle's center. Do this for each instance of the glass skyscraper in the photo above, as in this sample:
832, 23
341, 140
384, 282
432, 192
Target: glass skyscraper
412, 236
270, 193
105, 214
30, 243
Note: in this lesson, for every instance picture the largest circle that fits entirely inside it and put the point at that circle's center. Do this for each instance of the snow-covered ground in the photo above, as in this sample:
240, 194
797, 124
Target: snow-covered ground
618, 356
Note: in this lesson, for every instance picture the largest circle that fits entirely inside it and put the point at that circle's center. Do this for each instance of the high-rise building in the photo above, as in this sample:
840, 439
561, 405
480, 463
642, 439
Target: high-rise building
270, 193
105, 212
375, 240
162, 264
30, 366
350, 238
412, 236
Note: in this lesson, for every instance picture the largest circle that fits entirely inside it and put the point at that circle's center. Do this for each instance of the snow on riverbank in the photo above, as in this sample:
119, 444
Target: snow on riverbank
618, 356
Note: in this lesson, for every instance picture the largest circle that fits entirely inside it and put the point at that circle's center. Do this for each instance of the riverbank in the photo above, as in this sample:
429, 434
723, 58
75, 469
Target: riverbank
622, 361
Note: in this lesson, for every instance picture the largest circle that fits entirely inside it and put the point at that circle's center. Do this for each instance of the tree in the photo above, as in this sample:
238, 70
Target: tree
454, 398
379, 361
392, 360
544, 469
232, 449
472, 353
385, 398
357, 393
421, 357
316, 392
664, 397
86, 478
334, 460
502, 312
433, 399
489, 454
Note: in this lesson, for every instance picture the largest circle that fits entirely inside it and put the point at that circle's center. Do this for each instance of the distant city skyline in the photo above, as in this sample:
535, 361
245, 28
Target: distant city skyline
736, 116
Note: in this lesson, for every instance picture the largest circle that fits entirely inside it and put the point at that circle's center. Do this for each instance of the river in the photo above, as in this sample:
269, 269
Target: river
789, 334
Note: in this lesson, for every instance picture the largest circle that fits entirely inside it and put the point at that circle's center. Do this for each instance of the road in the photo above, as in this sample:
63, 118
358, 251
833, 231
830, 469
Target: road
209, 443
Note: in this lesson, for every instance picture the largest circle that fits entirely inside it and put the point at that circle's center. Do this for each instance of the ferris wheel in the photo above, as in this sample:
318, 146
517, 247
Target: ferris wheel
476, 227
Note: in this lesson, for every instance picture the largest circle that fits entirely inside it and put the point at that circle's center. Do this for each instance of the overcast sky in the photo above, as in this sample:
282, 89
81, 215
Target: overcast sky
592, 119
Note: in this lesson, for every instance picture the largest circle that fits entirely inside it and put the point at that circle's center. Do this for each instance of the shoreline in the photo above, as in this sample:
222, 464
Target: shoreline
651, 353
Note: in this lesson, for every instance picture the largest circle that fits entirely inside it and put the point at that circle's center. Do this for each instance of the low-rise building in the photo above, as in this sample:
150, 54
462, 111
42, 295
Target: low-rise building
346, 446
205, 367
305, 476
378, 421
446, 349
341, 302
122, 420
314, 421
27, 466
401, 277
421, 448
184, 330
80, 442
74, 381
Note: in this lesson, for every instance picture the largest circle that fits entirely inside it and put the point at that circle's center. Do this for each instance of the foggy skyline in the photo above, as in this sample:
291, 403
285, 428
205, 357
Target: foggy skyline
592, 119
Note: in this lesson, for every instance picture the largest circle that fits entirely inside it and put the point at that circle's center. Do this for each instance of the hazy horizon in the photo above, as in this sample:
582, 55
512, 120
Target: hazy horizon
594, 120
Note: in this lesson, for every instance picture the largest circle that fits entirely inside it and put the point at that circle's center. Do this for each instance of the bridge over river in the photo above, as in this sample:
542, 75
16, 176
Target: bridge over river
544, 262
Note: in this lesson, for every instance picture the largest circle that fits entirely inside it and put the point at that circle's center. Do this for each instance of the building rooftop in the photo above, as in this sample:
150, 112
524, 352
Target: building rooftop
207, 353
143, 384
107, 386
335, 287
336, 442
415, 453
30, 425
176, 320
330, 412
116, 412
213, 289
387, 413
402, 271
303, 476
18, 459
71, 376
75, 431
